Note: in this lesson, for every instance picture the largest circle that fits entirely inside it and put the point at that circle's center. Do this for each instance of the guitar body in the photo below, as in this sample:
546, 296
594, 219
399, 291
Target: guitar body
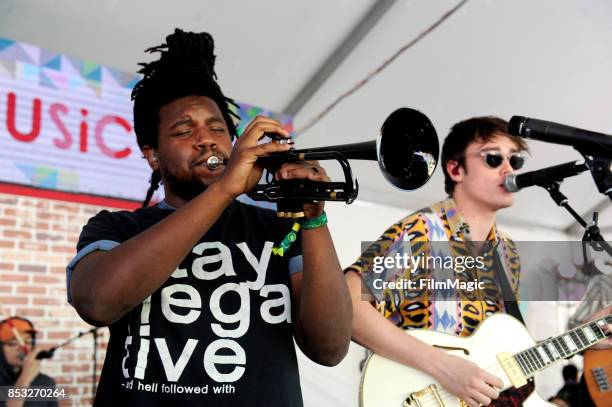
598, 376
386, 383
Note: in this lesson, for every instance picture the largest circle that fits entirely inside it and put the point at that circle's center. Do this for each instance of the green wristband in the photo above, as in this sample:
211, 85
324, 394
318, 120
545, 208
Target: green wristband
314, 223
287, 241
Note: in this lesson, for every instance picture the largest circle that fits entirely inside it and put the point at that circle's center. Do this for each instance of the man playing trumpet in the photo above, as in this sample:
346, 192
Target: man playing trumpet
199, 309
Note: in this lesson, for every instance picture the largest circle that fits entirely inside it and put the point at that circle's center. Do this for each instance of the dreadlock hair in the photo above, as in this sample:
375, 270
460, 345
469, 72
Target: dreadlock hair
185, 68
154, 181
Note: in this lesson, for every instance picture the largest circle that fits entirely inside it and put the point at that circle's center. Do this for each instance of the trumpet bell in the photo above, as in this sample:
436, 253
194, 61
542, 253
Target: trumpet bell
407, 149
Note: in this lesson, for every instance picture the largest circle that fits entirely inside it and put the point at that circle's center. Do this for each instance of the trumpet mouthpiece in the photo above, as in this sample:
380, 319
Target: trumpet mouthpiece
214, 162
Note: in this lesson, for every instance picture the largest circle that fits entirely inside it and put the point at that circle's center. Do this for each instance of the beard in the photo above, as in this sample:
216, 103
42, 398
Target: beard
185, 189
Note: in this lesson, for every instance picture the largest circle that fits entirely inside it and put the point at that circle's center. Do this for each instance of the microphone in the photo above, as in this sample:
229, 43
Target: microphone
543, 177
45, 354
585, 141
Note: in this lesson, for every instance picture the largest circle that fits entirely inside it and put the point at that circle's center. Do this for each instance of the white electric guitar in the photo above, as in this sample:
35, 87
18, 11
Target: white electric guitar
501, 345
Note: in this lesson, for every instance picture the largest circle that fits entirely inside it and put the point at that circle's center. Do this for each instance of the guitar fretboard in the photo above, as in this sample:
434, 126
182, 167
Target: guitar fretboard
545, 353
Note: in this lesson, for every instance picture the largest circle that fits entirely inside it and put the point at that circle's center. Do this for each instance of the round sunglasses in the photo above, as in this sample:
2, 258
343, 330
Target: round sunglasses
494, 158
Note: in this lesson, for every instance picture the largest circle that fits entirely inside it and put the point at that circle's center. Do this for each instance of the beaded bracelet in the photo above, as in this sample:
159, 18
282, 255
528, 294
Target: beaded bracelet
285, 244
291, 237
308, 224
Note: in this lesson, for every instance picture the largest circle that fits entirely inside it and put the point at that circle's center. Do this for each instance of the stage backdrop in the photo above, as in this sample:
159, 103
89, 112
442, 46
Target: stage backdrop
65, 135
66, 128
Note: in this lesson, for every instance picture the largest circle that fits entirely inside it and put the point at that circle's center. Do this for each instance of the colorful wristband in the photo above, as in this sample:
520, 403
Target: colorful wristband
287, 241
291, 237
314, 223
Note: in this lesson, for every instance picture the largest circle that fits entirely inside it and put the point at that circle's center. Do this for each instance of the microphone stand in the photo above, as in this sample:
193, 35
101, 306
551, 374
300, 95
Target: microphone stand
553, 189
94, 332
591, 236
600, 170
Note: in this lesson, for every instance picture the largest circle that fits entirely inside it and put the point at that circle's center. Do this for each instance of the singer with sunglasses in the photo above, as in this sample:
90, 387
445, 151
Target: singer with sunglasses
19, 367
477, 155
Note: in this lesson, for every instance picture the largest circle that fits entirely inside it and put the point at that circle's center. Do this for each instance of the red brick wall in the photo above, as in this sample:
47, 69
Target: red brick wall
37, 239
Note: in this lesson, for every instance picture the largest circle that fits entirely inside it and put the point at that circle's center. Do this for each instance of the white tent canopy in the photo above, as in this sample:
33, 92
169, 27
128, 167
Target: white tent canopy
547, 59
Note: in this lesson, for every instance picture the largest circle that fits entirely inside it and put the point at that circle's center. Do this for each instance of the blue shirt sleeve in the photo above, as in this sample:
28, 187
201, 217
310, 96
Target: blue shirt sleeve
104, 245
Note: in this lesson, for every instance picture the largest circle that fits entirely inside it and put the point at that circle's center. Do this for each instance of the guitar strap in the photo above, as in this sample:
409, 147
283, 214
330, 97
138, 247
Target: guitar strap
509, 299
520, 394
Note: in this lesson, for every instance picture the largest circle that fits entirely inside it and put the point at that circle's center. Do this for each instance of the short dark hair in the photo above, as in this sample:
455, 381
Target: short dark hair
186, 67
570, 372
464, 133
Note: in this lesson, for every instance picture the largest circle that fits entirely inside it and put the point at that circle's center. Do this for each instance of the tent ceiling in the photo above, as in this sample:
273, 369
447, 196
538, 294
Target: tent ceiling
547, 59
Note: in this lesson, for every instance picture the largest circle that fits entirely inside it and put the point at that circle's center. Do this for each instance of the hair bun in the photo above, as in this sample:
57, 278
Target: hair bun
188, 50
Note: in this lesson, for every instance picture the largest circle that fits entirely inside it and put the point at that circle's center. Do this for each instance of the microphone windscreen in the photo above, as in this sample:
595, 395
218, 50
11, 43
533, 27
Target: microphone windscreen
510, 183
515, 124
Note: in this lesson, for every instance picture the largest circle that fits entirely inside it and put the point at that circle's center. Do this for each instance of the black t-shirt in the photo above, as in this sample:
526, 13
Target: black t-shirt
218, 331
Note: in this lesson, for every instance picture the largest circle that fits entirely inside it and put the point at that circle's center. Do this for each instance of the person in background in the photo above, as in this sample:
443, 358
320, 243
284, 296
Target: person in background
570, 392
558, 401
19, 367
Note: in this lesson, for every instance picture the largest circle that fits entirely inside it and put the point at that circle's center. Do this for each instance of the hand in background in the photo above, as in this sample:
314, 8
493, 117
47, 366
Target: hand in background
606, 343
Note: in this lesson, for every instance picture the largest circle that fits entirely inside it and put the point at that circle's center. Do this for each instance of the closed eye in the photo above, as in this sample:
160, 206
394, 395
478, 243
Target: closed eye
182, 133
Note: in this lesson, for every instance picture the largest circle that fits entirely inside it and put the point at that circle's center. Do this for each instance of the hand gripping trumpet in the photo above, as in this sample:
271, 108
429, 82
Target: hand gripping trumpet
406, 150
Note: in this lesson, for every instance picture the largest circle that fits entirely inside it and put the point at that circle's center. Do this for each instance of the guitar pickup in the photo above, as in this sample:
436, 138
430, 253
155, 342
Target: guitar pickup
512, 369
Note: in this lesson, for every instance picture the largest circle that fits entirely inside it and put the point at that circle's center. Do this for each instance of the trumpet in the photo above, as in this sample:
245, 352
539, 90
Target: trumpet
406, 150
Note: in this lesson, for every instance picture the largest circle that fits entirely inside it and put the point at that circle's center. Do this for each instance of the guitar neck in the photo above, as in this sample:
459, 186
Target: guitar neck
545, 353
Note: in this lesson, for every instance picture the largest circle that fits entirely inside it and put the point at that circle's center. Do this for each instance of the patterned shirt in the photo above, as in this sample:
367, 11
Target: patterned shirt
439, 231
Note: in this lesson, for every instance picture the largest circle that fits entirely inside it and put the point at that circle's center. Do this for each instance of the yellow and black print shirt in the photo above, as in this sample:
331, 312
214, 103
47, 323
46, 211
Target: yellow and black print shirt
438, 232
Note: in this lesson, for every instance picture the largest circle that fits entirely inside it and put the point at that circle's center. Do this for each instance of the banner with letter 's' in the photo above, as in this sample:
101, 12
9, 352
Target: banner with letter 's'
66, 128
